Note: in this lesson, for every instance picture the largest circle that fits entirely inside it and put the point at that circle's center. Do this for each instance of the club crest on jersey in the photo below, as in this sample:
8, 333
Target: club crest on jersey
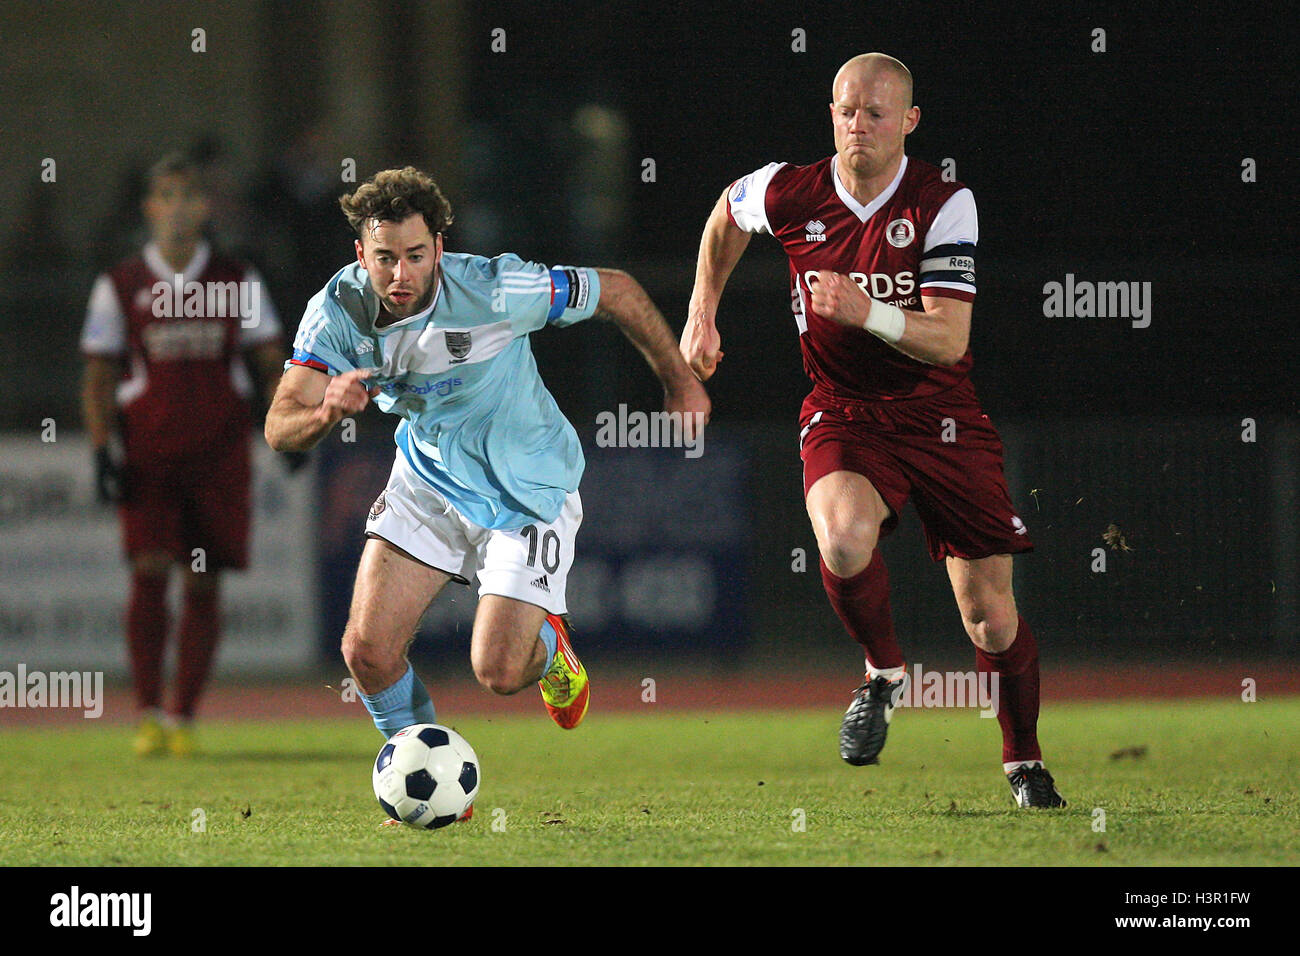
900, 233
378, 507
816, 231
458, 344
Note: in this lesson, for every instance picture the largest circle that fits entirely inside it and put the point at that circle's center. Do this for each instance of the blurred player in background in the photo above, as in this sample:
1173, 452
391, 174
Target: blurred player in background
487, 468
882, 278
166, 401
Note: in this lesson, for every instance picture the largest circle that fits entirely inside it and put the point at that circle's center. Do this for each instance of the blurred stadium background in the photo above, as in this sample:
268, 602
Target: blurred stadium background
1116, 166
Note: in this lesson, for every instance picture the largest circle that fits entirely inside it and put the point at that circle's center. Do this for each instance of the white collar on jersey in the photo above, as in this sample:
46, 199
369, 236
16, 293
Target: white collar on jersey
159, 267
865, 212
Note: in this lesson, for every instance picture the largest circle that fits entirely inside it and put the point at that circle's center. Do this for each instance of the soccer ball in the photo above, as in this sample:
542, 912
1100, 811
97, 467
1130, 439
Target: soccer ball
426, 775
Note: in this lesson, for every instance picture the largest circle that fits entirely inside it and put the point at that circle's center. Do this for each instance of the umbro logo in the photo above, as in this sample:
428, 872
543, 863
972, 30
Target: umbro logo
543, 584
816, 231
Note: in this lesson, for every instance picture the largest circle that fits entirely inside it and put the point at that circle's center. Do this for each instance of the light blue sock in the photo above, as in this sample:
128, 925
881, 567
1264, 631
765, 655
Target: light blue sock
551, 640
404, 703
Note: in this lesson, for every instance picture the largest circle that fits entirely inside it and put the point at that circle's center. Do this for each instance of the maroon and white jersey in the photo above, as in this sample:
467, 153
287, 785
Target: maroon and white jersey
916, 238
186, 388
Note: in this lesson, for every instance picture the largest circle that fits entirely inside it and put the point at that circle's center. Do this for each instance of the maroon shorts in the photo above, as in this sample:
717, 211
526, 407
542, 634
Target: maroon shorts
957, 484
177, 505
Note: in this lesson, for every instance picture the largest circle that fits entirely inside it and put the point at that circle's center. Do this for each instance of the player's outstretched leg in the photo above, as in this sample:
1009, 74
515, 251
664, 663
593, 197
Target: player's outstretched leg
391, 592
862, 602
565, 688
1006, 656
866, 722
847, 514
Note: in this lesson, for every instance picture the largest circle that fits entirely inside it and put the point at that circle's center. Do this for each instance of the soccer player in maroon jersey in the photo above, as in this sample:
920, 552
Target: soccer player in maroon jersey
166, 405
882, 279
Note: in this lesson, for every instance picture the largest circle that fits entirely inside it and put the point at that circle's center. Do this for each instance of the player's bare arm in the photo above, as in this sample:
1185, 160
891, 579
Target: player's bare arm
626, 304
939, 335
98, 405
99, 413
721, 247
309, 403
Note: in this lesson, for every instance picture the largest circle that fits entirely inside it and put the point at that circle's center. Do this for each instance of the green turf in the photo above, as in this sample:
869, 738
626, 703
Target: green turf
1216, 786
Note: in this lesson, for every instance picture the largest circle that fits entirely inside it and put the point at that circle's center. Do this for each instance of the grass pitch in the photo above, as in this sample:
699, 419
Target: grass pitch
1215, 786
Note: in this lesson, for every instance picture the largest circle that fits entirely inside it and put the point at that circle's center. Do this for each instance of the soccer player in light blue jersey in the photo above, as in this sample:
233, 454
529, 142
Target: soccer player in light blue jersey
487, 468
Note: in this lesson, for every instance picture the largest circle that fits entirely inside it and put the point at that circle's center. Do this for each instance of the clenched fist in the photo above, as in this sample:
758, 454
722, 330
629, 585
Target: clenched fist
701, 346
346, 395
839, 298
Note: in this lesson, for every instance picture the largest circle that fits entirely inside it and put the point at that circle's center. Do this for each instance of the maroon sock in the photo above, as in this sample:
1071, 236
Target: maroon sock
146, 636
862, 602
199, 631
1017, 689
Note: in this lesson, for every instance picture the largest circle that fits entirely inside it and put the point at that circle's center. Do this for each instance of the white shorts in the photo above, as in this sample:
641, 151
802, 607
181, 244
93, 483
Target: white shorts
530, 564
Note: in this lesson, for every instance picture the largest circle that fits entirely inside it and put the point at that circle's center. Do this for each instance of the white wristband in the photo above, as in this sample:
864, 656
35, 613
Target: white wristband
886, 321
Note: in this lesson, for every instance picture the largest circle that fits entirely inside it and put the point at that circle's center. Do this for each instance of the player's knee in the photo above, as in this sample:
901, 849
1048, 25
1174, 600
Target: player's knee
992, 626
847, 551
498, 676
368, 659
496, 668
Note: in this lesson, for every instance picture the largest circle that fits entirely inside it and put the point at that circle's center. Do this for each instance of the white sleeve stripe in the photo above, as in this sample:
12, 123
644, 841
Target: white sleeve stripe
308, 335
959, 286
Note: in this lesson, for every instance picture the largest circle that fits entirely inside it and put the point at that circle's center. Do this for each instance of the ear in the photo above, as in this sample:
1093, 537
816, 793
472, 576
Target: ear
911, 120
361, 256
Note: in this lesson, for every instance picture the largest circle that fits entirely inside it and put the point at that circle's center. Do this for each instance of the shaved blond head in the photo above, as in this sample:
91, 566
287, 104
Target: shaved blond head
871, 113
865, 68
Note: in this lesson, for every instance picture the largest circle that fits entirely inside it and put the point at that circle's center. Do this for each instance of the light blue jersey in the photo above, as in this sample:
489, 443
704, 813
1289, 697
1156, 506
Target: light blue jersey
477, 422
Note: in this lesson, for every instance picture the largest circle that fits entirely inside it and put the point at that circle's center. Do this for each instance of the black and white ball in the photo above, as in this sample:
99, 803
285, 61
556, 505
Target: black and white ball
426, 775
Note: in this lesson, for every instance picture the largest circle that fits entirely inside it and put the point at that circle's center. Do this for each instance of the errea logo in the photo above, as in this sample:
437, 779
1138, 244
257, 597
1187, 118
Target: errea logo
816, 231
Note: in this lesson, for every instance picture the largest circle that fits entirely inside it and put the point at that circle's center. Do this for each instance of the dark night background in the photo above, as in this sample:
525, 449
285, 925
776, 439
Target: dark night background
1117, 166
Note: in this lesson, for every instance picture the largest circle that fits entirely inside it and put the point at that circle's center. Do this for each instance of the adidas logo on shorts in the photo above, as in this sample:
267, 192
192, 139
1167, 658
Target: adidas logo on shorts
543, 584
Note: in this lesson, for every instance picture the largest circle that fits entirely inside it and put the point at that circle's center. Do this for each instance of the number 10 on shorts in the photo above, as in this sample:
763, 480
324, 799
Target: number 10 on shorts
549, 543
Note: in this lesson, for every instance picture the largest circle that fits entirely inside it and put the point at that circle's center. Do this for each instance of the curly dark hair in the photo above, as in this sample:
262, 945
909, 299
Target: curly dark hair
392, 195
